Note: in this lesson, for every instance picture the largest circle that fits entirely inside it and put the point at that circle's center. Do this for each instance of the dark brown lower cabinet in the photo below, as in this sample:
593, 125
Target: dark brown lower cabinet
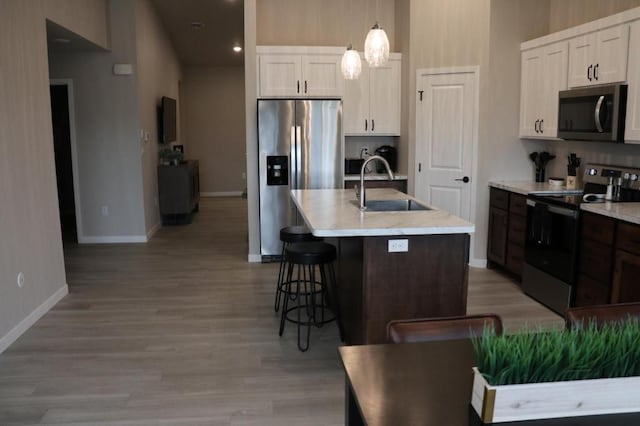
626, 278
497, 243
507, 230
595, 261
591, 292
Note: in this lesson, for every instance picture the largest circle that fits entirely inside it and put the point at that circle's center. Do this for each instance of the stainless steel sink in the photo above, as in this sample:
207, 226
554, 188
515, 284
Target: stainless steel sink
394, 205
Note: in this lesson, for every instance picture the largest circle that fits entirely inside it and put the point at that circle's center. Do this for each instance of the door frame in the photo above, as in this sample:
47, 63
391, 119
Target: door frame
74, 151
475, 70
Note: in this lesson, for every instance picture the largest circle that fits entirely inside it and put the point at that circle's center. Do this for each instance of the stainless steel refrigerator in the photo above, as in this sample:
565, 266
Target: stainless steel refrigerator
301, 146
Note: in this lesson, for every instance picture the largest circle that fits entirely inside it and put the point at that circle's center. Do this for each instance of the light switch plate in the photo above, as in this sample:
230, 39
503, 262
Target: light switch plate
398, 246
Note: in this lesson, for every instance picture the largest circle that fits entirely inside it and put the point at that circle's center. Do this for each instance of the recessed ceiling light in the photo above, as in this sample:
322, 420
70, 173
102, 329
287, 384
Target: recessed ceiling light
197, 25
61, 40
237, 48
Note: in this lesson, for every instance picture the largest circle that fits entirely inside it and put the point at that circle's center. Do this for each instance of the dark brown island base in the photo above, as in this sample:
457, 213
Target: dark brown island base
391, 264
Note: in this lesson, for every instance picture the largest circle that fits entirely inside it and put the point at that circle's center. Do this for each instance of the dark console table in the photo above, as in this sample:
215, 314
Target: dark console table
427, 384
178, 191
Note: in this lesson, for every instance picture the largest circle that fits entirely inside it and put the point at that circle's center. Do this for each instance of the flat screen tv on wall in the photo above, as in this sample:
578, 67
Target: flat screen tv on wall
167, 120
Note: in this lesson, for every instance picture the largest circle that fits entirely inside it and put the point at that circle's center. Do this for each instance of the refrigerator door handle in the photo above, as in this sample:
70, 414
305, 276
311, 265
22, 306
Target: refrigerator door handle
292, 159
298, 163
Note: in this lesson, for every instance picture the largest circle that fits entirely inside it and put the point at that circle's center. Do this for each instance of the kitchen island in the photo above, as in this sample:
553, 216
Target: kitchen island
391, 264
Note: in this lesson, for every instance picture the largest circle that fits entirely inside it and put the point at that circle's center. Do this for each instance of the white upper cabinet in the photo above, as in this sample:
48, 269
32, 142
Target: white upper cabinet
299, 75
371, 104
599, 57
632, 125
544, 74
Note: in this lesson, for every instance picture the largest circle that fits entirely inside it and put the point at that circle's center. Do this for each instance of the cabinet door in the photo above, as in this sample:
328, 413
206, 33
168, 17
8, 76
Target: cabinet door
555, 65
531, 90
582, 52
497, 242
355, 104
632, 125
384, 99
279, 75
322, 75
611, 60
599, 58
626, 287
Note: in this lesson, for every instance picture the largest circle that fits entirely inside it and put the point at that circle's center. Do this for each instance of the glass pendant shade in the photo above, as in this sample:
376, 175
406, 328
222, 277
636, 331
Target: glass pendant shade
351, 64
376, 47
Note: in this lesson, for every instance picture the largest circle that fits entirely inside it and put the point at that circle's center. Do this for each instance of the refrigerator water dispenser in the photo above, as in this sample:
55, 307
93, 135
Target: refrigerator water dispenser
277, 170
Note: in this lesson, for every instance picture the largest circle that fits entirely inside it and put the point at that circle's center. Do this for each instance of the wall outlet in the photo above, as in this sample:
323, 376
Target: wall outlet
244, 176
104, 210
20, 279
398, 246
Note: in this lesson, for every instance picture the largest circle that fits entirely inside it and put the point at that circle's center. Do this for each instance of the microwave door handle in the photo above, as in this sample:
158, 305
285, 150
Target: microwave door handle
597, 114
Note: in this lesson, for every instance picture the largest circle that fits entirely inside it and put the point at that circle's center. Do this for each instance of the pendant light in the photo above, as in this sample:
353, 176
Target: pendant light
351, 65
376, 45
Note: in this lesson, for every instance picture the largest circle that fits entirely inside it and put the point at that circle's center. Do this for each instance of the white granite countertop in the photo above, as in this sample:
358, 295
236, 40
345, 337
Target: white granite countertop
526, 187
335, 213
375, 176
629, 212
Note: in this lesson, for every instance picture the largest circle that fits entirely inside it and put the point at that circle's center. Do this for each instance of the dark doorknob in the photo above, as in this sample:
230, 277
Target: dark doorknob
464, 179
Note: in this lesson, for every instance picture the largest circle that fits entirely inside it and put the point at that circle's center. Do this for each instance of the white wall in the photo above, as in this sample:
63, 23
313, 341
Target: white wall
31, 242
157, 74
213, 120
107, 133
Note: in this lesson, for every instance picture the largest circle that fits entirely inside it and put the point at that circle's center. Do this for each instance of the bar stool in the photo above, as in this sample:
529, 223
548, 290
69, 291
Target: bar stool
289, 235
311, 296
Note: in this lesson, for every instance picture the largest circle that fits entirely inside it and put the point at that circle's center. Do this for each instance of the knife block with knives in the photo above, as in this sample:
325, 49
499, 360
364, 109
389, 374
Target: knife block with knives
574, 177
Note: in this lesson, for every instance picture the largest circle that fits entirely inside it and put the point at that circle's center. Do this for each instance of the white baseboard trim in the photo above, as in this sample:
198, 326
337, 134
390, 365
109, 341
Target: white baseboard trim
478, 263
18, 330
153, 230
255, 258
222, 194
113, 239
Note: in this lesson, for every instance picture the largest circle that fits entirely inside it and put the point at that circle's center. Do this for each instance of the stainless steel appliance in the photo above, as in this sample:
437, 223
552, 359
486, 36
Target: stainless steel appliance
595, 113
551, 245
301, 146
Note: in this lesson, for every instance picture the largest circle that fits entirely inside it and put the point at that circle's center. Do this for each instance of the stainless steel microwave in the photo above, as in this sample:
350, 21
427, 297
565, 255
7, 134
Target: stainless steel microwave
593, 114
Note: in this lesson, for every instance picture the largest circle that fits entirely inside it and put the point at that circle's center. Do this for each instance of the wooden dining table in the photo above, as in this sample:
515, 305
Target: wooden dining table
426, 384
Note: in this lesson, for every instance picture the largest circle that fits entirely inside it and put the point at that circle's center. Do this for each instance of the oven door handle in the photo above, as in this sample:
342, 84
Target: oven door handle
555, 209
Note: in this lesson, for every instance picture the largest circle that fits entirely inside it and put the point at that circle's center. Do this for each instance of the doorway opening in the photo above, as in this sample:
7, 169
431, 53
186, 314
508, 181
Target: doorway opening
64, 146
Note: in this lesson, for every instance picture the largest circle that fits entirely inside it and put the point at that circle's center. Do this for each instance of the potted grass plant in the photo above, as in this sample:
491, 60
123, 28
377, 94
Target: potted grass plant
562, 373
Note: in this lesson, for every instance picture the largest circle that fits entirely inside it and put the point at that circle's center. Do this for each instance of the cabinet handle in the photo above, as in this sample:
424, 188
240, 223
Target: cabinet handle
535, 126
365, 125
305, 86
541, 129
373, 125
298, 91
589, 72
595, 71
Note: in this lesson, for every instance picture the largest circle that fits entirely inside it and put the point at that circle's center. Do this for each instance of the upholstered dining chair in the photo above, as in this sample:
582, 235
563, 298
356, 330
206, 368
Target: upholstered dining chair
444, 328
601, 314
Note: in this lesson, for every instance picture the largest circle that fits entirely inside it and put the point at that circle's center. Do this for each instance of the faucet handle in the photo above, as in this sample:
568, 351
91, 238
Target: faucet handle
357, 188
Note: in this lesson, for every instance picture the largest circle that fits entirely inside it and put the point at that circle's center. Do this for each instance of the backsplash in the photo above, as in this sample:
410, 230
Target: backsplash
589, 152
354, 144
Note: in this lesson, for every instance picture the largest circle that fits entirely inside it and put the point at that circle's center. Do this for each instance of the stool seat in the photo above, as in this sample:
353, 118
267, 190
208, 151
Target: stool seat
311, 253
296, 234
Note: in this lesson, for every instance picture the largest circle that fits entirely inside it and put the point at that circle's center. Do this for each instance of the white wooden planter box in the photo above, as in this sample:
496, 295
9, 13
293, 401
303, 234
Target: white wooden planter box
495, 404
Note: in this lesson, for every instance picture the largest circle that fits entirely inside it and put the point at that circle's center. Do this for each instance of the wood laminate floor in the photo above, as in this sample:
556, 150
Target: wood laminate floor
181, 331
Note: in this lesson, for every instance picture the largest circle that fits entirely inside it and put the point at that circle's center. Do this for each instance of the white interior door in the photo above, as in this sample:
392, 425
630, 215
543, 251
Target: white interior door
446, 121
